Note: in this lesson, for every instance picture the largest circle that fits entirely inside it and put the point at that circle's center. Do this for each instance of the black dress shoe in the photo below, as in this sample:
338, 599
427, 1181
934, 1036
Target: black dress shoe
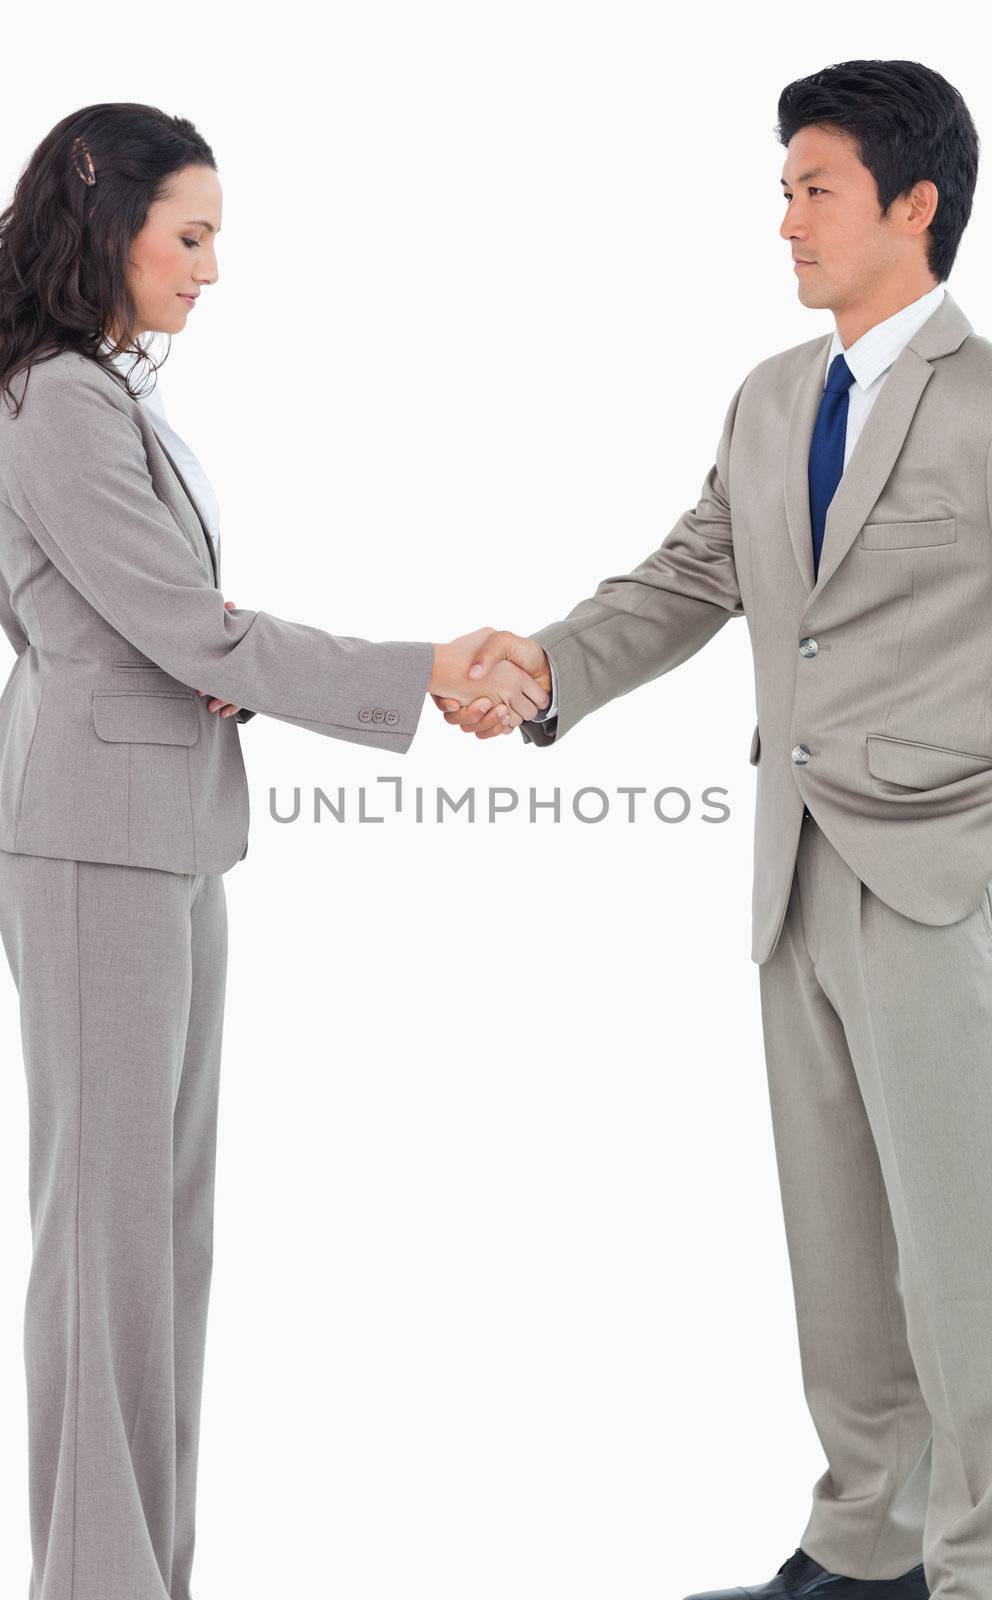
802, 1578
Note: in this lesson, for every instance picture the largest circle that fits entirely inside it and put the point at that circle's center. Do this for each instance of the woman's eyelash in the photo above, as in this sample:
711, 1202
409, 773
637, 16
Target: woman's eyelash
194, 243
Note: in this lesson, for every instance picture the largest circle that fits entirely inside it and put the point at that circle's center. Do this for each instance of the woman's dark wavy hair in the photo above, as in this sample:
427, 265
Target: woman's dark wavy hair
64, 244
909, 124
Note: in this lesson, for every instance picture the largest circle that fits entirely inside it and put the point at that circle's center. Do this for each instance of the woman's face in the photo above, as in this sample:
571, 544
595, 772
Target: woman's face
174, 254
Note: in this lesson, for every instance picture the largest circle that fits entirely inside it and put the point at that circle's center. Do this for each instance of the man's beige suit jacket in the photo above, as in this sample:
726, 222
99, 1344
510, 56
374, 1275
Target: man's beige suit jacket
873, 684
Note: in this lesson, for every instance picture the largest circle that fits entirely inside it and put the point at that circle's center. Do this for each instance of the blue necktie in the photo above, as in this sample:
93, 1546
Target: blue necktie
826, 450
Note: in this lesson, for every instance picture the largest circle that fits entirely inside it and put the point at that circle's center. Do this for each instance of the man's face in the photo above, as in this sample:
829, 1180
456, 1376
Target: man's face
832, 219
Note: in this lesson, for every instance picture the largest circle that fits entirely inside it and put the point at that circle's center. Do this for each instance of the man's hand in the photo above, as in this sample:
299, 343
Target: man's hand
479, 661
481, 716
224, 706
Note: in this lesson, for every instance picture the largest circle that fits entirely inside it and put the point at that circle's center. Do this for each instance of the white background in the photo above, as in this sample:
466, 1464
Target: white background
501, 1302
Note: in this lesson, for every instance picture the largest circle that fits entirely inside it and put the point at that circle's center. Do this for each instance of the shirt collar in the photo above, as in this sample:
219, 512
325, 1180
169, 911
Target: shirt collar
123, 361
873, 354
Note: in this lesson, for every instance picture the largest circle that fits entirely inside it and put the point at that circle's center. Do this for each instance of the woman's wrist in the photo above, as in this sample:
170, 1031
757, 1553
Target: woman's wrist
442, 674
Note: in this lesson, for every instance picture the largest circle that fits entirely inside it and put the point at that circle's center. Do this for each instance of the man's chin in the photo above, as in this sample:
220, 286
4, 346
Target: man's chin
816, 297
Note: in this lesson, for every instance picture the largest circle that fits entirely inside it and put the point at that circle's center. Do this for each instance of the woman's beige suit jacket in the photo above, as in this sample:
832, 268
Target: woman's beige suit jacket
110, 595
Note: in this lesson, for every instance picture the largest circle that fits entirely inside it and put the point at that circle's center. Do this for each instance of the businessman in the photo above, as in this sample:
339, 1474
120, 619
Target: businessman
847, 518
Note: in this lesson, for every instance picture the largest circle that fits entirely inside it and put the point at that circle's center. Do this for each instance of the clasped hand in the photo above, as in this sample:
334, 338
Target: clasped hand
497, 654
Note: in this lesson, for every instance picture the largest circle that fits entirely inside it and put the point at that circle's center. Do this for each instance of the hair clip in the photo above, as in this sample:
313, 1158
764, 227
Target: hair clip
79, 147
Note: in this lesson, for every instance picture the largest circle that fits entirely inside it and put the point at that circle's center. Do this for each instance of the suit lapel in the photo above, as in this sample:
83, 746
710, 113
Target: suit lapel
877, 450
207, 541
194, 527
804, 409
873, 457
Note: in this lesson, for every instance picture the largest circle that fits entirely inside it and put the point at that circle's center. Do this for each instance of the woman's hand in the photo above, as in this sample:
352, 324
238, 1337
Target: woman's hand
224, 706
506, 684
481, 716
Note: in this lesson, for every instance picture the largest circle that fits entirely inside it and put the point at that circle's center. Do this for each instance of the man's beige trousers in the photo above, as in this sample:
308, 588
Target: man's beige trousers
878, 1039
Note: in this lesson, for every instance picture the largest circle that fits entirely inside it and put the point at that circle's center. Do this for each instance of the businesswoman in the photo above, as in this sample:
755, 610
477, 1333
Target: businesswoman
123, 801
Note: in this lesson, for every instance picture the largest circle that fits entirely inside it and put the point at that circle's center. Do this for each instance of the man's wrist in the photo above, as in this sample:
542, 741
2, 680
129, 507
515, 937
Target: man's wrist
551, 710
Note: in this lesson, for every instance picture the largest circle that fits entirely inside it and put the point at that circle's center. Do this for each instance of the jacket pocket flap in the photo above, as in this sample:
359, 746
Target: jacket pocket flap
146, 718
904, 535
755, 749
920, 766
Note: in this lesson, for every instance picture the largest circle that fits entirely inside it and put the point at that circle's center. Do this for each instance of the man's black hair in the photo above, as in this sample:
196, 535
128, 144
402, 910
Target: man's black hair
909, 123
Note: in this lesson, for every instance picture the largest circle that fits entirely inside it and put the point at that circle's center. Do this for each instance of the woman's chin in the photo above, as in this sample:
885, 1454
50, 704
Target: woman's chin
170, 321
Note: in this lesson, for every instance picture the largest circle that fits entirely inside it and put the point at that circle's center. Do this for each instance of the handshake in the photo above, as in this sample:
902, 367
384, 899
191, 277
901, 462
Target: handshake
487, 683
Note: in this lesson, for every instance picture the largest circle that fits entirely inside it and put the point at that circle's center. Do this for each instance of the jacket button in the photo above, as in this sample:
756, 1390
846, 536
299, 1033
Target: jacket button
808, 647
800, 754
365, 715
392, 716
378, 714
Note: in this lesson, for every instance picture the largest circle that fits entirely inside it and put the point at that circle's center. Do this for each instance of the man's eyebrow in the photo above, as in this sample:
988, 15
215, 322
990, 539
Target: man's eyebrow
804, 177
201, 222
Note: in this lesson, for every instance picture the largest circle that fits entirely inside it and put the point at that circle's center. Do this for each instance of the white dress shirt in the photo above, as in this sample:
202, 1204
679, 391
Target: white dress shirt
869, 358
199, 484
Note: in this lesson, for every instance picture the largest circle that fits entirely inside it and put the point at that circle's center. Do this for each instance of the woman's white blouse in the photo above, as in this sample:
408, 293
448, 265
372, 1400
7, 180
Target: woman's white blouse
198, 483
